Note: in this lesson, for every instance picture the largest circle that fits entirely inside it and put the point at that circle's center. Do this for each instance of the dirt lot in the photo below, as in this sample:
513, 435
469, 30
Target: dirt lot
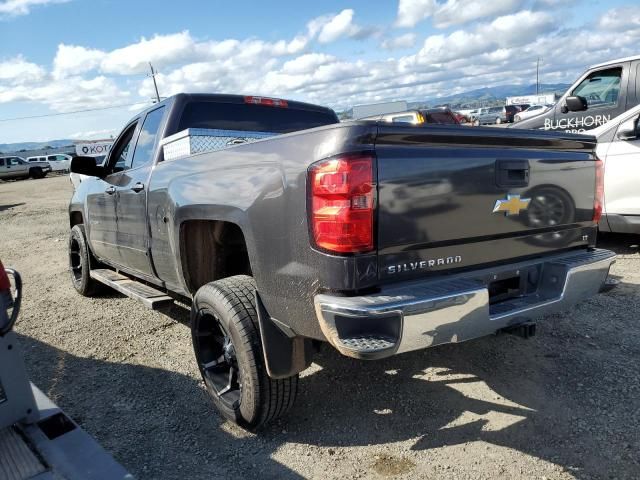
565, 404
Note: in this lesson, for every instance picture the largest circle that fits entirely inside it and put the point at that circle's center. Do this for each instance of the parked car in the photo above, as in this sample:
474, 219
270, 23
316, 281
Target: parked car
295, 230
59, 162
601, 93
18, 167
428, 116
462, 118
532, 111
510, 112
489, 116
619, 149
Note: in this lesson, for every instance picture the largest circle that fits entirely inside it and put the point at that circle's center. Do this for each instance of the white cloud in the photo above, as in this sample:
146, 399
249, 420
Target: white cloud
14, 8
94, 134
337, 27
74, 60
412, 12
329, 28
451, 12
68, 94
307, 63
508, 31
408, 40
620, 19
18, 71
160, 50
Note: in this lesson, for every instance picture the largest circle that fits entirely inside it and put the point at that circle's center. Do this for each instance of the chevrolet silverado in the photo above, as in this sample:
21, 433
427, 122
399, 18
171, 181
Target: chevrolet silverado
285, 229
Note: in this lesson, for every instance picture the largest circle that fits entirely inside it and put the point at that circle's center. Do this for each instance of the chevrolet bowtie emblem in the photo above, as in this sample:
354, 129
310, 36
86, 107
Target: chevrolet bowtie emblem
512, 205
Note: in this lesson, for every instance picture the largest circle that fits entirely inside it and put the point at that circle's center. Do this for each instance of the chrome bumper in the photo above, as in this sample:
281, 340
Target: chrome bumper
417, 315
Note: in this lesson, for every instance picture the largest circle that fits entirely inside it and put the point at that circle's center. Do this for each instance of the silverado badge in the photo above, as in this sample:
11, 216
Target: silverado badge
512, 205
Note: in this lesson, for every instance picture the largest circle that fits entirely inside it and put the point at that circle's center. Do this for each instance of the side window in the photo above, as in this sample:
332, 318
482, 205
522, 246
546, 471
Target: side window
1, 162
143, 153
601, 88
52, 158
120, 150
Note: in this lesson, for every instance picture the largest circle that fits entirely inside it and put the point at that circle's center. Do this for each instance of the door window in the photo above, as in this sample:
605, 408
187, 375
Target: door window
14, 161
143, 153
1, 162
120, 151
601, 88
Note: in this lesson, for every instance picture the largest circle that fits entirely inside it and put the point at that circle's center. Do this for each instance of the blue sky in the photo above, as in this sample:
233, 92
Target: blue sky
59, 56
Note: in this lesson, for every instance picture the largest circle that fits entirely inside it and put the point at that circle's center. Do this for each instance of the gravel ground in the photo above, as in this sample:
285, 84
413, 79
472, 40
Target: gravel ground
564, 404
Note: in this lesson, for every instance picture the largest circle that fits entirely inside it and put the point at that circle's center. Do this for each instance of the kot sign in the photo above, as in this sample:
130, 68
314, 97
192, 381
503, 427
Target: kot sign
93, 149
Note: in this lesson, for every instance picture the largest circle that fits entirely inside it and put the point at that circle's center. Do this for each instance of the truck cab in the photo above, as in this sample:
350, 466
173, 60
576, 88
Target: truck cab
601, 93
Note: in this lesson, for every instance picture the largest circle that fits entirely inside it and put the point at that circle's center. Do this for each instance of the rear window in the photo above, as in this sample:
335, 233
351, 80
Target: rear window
252, 118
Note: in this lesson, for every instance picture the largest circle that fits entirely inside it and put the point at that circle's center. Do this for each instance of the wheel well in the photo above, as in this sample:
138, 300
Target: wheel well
211, 250
75, 218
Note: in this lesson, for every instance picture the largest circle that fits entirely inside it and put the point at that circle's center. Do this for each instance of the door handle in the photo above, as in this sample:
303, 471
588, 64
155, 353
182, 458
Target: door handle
138, 187
110, 190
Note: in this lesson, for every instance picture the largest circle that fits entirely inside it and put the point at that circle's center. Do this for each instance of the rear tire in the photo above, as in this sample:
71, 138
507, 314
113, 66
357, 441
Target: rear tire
228, 349
80, 262
36, 172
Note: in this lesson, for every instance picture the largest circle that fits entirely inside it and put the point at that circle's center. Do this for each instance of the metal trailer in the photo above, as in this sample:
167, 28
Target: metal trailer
370, 109
37, 439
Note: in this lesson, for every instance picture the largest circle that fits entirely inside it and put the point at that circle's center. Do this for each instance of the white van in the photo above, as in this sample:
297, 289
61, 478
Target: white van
60, 162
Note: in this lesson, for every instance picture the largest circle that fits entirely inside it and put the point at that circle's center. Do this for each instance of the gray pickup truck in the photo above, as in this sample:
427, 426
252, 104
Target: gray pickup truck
290, 229
12, 167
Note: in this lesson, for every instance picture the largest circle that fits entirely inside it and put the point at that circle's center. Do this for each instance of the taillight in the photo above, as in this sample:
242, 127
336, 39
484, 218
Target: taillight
342, 203
269, 102
598, 200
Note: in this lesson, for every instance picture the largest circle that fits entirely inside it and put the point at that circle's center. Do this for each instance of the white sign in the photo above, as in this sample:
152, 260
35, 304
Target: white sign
541, 99
93, 149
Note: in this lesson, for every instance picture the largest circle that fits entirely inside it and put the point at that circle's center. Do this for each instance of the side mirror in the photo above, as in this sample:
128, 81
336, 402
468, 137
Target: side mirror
86, 166
576, 104
628, 130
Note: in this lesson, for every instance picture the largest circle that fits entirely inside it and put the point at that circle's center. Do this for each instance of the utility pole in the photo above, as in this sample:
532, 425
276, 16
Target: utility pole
537, 76
155, 85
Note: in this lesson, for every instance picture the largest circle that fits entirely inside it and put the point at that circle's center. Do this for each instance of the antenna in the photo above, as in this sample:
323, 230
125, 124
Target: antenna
155, 85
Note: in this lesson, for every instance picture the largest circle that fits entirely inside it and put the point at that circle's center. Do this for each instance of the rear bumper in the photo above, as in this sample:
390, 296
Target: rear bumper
417, 315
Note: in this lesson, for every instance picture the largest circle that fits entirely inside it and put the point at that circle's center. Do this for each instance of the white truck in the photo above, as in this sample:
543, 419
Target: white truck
619, 149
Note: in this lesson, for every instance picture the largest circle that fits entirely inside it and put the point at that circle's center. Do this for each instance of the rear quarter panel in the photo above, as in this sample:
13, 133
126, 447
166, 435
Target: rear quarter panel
261, 187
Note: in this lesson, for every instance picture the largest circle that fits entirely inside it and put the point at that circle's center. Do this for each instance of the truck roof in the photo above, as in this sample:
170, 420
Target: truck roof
617, 60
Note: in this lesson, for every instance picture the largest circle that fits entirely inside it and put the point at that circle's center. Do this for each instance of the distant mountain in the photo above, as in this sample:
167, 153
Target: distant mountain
481, 96
51, 144
491, 94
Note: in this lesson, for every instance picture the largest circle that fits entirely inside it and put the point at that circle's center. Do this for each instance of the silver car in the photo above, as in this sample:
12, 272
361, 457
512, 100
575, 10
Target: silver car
18, 167
489, 116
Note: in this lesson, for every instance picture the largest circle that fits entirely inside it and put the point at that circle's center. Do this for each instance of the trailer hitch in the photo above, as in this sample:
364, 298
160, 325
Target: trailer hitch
524, 330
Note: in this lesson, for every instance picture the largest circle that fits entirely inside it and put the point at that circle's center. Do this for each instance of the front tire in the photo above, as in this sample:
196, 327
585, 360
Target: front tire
228, 349
80, 262
498, 121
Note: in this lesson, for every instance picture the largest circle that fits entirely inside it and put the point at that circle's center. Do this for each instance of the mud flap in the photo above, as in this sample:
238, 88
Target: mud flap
285, 354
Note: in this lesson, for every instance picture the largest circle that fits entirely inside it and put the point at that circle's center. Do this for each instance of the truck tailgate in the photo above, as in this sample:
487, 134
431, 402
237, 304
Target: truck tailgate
454, 197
